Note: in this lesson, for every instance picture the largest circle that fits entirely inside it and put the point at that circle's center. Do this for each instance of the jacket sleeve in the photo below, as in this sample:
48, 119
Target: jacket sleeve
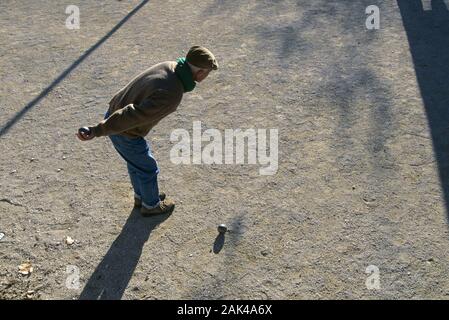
133, 115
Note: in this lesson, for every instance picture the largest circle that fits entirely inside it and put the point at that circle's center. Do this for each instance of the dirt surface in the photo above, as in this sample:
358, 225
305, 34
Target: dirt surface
361, 178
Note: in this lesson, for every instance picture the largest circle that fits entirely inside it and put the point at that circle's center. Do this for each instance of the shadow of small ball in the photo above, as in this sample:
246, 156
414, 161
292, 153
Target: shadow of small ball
219, 243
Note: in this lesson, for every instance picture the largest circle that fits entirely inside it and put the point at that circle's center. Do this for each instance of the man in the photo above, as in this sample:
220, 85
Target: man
137, 108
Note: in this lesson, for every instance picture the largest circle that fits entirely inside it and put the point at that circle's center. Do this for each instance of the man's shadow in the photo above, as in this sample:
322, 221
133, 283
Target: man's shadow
112, 275
428, 36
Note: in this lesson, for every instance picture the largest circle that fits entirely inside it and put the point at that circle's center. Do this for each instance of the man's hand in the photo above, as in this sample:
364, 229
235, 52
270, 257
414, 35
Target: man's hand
85, 134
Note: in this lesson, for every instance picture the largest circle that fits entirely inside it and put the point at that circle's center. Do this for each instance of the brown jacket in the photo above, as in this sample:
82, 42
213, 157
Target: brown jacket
142, 103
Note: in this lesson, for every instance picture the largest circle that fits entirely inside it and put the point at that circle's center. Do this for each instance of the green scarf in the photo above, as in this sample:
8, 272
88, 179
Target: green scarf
184, 74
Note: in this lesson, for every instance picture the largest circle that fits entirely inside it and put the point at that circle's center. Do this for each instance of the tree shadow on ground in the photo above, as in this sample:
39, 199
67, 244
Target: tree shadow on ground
112, 275
11, 122
428, 36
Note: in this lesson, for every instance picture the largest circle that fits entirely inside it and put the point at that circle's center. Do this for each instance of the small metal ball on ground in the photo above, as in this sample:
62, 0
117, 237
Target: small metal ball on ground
222, 228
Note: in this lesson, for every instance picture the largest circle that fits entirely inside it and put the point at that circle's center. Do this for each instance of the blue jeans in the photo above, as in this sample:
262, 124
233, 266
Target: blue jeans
142, 167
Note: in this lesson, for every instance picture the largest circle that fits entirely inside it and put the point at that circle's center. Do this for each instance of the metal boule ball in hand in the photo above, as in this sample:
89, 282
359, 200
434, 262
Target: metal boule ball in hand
84, 130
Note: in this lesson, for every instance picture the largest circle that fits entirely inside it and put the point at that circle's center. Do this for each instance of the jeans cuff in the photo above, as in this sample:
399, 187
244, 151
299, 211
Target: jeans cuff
150, 207
137, 196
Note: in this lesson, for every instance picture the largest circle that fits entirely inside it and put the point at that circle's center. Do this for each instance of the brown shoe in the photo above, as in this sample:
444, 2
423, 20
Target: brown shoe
138, 202
164, 206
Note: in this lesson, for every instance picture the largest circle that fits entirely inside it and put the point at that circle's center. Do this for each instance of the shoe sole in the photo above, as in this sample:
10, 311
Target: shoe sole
139, 205
157, 214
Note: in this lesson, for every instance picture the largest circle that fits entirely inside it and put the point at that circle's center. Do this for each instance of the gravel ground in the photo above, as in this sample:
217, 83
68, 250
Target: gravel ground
361, 175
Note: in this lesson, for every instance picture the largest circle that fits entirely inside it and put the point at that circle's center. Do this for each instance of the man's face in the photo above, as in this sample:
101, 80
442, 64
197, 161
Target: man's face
201, 75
